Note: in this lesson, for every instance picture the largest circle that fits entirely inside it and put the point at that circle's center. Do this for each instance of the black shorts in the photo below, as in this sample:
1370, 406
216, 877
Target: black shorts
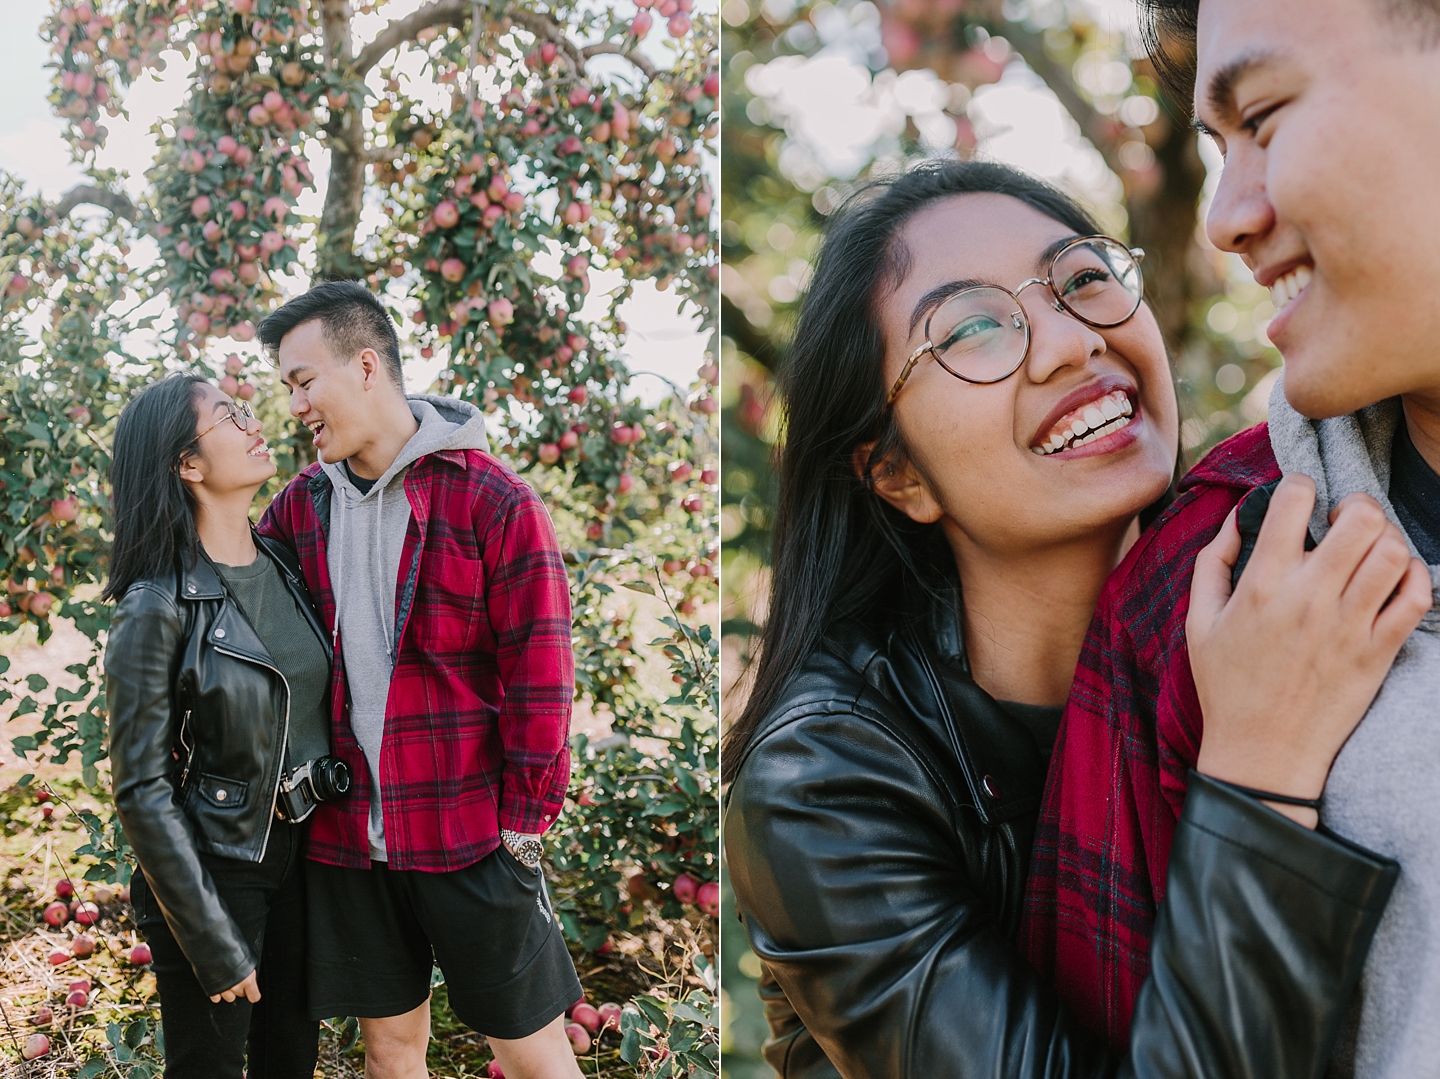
374, 934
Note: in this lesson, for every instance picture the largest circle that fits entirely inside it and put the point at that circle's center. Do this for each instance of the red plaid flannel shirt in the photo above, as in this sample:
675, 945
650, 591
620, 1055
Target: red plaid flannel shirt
1129, 735
478, 718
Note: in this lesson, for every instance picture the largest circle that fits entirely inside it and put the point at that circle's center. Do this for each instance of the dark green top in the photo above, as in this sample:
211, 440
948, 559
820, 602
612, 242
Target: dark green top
294, 648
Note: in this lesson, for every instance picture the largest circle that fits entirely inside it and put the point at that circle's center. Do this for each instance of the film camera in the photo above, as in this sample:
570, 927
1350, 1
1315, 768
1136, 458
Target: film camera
315, 781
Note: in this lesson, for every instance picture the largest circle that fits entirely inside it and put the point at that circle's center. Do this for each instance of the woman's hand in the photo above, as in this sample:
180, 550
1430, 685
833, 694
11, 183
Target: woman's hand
1286, 668
249, 988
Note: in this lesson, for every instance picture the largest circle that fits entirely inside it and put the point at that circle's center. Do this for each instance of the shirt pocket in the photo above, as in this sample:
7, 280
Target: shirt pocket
450, 598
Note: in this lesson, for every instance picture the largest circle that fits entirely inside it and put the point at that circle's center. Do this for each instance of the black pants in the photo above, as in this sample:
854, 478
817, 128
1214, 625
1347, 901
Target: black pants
215, 1041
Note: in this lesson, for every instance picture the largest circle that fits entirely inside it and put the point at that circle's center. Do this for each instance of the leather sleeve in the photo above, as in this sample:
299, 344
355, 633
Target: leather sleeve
846, 868
140, 659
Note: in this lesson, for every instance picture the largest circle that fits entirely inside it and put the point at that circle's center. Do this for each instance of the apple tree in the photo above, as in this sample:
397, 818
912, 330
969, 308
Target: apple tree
481, 163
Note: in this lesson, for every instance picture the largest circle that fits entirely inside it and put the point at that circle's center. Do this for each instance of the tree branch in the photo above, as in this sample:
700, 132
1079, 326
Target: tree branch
1093, 125
399, 31
116, 202
634, 56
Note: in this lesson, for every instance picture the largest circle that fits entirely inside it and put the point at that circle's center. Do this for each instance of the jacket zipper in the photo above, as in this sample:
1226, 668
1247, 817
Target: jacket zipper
189, 749
284, 741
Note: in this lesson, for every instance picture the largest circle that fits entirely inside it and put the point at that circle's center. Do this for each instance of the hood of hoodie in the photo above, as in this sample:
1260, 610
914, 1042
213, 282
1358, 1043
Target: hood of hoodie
445, 424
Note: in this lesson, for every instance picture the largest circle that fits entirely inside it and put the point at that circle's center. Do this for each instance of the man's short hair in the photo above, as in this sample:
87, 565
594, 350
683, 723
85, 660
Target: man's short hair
353, 318
1167, 28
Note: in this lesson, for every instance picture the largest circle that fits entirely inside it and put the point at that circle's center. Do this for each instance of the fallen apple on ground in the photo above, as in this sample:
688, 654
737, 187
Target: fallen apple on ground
579, 1038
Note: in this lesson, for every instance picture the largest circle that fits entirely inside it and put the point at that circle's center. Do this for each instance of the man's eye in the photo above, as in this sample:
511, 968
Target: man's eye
1251, 124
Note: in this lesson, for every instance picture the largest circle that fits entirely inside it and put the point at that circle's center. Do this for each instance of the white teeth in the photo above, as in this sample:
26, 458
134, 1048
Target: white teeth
1078, 428
1109, 408
1094, 417
1291, 285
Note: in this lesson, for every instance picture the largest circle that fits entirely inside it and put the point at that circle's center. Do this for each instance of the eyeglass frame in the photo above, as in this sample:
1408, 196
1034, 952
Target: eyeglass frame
1137, 253
233, 412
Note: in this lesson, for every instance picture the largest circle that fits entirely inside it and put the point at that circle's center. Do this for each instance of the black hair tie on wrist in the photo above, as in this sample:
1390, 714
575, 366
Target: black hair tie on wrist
1282, 799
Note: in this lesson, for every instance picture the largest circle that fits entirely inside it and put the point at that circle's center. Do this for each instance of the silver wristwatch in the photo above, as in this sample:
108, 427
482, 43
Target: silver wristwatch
526, 849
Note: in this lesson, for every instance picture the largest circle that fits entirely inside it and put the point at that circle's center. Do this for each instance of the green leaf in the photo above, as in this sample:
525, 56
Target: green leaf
687, 1011
92, 1067
37, 683
4, 664
652, 1011
24, 781
641, 586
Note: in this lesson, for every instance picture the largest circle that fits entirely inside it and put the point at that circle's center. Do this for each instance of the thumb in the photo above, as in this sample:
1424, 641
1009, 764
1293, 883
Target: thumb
1210, 586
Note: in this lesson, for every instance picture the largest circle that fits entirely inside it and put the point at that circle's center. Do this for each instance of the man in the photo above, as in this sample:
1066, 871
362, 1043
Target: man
1328, 116
441, 584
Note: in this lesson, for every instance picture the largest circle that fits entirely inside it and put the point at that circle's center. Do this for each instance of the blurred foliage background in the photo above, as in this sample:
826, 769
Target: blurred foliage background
817, 98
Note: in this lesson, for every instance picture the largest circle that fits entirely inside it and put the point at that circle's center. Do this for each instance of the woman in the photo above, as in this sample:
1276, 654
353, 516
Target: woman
980, 416
217, 674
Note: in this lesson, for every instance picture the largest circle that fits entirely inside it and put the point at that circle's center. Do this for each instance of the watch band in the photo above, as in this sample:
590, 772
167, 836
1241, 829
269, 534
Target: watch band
527, 849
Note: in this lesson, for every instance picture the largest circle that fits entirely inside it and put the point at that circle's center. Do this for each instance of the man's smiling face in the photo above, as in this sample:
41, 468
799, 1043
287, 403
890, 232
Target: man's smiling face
1328, 114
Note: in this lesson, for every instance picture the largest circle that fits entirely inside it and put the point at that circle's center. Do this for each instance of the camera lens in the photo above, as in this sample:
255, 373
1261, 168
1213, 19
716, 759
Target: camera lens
330, 777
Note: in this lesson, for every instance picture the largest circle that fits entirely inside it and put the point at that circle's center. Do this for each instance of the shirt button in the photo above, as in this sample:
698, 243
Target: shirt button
991, 787
220, 796
192, 589
219, 633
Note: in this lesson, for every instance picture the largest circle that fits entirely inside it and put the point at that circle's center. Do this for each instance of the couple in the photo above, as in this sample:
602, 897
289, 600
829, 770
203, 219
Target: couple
982, 426
337, 736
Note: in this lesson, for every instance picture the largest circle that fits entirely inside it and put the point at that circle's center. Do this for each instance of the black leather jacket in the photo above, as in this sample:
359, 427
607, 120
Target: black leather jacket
198, 719
878, 835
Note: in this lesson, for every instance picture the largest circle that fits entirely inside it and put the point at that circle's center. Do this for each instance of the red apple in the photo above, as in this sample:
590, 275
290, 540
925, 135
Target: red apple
242, 155
578, 395
549, 453
586, 1016
708, 898
548, 52
57, 914
259, 115
248, 272
679, 24
43, 1016
36, 1046
200, 207
711, 85
246, 391
103, 895
626, 484
709, 476
685, 888
275, 208
681, 471
491, 214
446, 215
513, 201
700, 569
501, 312
86, 913
237, 209
140, 955
77, 999
243, 331
610, 1015
569, 440
212, 231
579, 1038
82, 946
273, 100
692, 504
495, 1071
595, 530
59, 957
497, 189
230, 385
570, 145
640, 24
48, 811
452, 270
227, 145
63, 888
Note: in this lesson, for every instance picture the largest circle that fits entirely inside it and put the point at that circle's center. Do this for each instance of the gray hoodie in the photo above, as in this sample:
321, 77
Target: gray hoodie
1382, 791
367, 533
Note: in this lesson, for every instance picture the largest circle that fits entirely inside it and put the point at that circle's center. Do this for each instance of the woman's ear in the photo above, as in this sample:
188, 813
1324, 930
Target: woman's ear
190, 470
900, 485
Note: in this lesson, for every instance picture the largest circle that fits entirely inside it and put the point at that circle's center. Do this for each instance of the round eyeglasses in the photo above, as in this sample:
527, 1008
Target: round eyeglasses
240, 414
981, 334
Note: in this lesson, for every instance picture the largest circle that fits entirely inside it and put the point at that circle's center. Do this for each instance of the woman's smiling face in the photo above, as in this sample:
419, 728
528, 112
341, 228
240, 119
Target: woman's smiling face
973, 448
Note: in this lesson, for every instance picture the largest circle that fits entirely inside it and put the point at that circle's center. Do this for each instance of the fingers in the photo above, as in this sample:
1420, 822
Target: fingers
1359, 523
1404, 611
1379, 573
1287, 523
1210, 586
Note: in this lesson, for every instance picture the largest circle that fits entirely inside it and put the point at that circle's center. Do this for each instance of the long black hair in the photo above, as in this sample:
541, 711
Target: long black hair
154, 510
838, 548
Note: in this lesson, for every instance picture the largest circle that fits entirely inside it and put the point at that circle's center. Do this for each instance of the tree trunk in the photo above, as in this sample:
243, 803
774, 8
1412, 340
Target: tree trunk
335, 252
1164, 225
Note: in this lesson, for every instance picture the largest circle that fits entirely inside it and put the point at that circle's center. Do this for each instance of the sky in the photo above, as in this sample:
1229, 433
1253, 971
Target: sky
661, 339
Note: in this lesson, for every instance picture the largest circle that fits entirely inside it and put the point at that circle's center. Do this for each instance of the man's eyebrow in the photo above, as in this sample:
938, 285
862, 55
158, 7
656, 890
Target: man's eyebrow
299, 368
1220, 92
221, 404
